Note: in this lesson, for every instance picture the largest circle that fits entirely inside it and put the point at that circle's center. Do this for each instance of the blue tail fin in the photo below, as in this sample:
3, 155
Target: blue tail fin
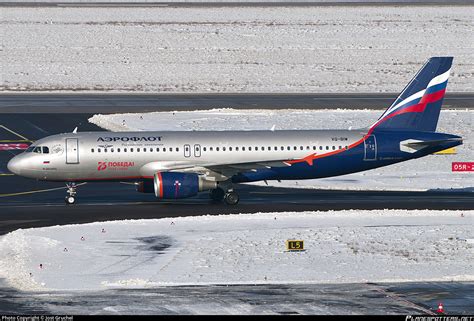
419, 104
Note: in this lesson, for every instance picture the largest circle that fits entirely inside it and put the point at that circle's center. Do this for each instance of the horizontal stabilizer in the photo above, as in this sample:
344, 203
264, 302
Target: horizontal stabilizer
431, 143
449, 151
412, 145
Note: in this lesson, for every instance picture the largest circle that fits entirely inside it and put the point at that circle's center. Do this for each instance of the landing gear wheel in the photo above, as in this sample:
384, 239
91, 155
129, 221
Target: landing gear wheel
72, 191
217, 194
70, 200
231, 198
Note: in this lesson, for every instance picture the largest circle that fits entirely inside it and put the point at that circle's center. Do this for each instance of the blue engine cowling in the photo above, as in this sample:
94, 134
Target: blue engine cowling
170, 185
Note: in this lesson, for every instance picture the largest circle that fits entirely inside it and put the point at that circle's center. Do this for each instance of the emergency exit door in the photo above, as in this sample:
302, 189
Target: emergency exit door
197, 150
72, 151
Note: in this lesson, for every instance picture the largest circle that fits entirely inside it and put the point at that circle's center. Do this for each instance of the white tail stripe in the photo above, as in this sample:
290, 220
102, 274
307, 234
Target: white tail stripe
433, 82
439, 79
405, 101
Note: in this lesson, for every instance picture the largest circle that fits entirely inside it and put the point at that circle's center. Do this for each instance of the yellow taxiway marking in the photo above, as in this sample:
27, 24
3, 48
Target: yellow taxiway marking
37, 191
7, 174
32, 192
14, 133
15, 141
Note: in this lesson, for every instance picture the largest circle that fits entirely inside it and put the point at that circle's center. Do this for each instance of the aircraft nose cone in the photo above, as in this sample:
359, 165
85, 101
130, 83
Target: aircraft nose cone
13, 166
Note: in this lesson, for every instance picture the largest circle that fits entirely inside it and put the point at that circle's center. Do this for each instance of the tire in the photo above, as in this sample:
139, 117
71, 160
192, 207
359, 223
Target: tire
231, 198
217, 194
70, 200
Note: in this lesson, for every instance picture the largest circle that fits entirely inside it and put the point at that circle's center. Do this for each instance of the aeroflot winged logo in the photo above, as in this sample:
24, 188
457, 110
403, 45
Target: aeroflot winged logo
130, 139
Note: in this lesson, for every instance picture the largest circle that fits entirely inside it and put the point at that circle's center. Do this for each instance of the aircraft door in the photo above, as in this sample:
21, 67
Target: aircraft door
72, 151
197, 150
370, 145
187, 150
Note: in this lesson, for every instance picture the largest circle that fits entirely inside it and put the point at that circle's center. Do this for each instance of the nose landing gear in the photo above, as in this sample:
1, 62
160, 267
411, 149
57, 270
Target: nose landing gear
71, 190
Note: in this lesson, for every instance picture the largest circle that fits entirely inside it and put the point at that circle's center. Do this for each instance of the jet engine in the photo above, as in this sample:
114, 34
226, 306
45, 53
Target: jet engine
171, 185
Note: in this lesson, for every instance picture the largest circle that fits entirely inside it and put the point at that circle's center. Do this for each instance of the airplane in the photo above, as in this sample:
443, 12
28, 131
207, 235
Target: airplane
175, 165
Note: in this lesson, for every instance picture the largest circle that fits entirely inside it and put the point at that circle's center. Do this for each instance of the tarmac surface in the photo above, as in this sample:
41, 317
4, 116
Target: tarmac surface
119, 103
26, 203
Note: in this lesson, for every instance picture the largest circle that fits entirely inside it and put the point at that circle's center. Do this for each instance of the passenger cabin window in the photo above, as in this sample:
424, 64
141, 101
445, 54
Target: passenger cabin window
92, 150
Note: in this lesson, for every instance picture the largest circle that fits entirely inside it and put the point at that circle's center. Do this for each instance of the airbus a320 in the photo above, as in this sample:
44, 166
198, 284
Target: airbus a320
175, 165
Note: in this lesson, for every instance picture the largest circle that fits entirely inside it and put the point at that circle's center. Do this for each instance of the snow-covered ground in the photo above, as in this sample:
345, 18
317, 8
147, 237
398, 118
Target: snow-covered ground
411, 175
341, 247
231, 49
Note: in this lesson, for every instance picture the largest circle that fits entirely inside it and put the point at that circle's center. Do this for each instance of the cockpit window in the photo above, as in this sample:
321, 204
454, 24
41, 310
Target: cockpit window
37, 149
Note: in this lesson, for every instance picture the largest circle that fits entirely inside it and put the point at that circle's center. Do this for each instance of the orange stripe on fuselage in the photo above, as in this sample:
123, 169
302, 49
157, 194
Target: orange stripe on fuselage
310, 158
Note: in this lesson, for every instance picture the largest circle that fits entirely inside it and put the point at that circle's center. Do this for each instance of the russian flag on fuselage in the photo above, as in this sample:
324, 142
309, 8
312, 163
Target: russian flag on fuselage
419, 104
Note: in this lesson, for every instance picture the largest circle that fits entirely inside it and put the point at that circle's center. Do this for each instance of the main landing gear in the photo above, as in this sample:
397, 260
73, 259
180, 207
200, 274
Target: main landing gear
230, 197
71, 190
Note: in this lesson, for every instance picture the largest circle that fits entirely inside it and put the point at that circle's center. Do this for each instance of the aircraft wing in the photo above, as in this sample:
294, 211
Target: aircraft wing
214, 171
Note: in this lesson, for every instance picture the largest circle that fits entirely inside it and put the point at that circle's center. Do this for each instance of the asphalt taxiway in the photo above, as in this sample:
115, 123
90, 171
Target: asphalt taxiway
26, 203
120, 103
29, 203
